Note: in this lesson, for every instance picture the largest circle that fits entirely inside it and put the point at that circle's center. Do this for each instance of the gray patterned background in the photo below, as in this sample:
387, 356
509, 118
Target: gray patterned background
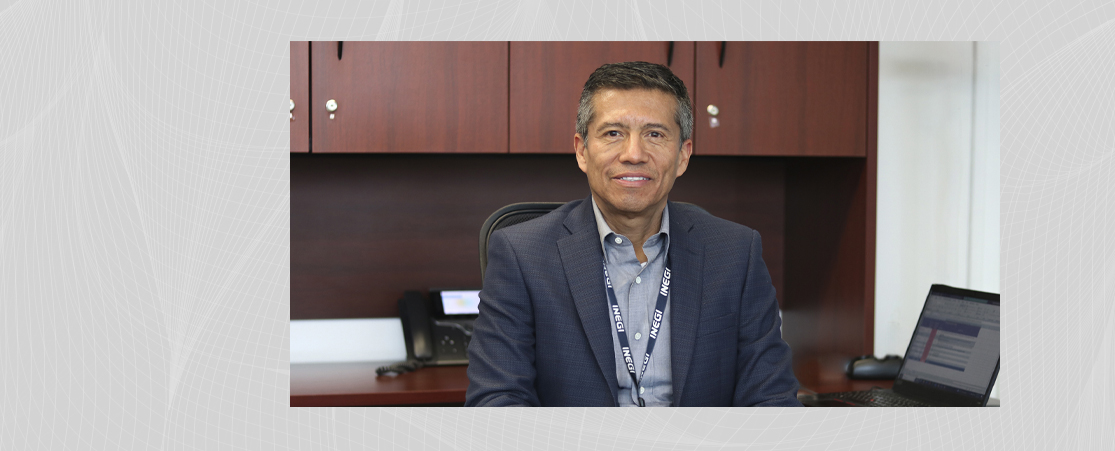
144, 226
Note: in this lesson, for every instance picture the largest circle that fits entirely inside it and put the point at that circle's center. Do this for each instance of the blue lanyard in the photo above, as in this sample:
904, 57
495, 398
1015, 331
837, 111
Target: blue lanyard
655, 326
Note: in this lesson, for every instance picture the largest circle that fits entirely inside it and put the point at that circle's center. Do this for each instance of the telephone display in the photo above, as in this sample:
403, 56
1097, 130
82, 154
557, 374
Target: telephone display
459, 302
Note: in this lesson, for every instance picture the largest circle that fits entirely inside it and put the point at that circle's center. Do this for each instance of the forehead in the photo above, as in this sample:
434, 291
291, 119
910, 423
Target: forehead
634, 107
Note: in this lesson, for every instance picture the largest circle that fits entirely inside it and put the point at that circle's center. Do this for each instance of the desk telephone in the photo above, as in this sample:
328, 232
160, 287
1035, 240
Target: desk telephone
437, 330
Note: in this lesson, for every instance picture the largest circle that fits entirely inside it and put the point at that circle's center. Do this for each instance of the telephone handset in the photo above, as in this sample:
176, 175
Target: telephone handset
416, 326
439, 335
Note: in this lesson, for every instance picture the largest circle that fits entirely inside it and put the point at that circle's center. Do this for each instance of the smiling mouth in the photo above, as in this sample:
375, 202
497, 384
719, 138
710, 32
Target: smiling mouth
632, 181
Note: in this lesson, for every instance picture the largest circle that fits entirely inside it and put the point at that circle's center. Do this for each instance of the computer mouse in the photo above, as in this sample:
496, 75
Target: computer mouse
870, 367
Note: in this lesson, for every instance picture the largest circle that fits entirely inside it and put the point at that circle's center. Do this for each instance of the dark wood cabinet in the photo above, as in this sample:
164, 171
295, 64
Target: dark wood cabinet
409, 97
782, 98
771, 98
299, 96
547, 78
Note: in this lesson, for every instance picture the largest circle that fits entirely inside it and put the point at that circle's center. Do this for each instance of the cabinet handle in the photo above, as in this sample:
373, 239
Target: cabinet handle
723, 45
670, 54
341, 45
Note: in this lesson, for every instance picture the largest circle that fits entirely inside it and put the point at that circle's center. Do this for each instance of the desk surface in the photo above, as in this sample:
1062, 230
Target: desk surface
356, 384
825, 375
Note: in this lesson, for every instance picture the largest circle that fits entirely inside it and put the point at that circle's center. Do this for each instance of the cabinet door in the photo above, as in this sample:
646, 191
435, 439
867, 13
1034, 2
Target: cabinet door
299, 96
782, 98
410, 97
547, 78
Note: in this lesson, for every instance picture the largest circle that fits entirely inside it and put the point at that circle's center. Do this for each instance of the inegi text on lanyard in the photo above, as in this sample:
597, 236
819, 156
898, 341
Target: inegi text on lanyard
656, 324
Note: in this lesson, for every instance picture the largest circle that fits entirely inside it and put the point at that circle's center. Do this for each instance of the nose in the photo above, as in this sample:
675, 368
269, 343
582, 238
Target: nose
633, 151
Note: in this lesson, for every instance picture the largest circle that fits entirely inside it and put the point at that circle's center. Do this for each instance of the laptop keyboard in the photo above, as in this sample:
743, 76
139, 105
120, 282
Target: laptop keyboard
874, 398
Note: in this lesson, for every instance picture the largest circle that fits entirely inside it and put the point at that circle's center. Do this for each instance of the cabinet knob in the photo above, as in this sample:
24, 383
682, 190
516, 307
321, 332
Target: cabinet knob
713, 110
331, 106
292, 109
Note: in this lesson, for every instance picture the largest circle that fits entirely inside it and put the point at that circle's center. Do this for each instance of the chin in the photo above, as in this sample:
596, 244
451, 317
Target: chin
627, 202
634, 205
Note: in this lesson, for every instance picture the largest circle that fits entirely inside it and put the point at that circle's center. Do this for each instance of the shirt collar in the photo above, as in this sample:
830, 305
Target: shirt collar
603, 229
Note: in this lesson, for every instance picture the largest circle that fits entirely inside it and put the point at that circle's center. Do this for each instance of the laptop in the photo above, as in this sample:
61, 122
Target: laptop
952, 359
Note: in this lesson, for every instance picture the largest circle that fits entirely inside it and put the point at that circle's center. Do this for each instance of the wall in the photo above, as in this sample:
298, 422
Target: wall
938, 202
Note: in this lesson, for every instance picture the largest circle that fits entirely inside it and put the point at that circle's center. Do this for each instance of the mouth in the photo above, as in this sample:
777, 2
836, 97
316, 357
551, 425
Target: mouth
632, 180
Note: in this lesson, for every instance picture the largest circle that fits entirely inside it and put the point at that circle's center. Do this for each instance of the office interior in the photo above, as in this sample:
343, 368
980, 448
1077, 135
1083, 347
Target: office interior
870, 169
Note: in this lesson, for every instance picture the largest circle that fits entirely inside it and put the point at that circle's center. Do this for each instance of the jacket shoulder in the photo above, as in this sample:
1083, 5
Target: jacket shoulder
543, 227
707, 225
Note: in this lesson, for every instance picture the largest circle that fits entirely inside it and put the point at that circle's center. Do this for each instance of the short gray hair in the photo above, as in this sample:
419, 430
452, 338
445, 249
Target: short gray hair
636, 75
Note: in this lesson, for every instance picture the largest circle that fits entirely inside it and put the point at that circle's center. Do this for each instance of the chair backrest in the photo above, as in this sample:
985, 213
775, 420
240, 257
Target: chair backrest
509, 216
517, 214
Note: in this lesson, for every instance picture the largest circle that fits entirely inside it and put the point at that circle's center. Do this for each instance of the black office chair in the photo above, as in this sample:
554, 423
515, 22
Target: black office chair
509, 216
517, 214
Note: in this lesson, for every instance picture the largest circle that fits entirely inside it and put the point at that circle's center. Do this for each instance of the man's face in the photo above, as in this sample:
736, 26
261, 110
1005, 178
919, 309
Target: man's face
633, 151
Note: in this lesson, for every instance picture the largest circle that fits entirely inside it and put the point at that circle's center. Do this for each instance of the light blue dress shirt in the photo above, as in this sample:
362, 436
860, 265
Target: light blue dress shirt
636, 287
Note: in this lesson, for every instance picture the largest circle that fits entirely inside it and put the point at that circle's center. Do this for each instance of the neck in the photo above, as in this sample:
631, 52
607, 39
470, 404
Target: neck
636, 227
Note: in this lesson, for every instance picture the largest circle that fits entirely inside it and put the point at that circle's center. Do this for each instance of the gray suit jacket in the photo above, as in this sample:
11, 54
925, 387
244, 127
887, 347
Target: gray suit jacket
544, 338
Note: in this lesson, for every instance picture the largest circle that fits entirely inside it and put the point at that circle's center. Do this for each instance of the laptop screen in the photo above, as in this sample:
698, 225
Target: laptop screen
956, 344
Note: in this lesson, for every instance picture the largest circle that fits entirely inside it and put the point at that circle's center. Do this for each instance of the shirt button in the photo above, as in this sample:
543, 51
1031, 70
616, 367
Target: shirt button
638, 279
638, 335
619, 240
642, 390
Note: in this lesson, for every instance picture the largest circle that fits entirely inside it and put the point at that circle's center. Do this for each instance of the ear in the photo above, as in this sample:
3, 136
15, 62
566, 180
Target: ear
579, 147
684, 153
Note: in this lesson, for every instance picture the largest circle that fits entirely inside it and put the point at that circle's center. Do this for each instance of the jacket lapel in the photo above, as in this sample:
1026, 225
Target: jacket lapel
581, 257
687, 257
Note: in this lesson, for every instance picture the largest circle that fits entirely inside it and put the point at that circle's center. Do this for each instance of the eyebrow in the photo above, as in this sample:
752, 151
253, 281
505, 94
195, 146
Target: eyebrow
623, 126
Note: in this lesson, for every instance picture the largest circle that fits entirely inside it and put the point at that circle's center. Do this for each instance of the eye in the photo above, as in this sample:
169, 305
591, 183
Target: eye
611, 133
655, 135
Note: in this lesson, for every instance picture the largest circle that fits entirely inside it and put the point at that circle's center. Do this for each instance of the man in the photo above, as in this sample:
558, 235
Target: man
624, 298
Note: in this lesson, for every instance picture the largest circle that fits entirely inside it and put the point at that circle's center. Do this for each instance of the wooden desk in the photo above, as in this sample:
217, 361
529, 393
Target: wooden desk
825, 374
356, 384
